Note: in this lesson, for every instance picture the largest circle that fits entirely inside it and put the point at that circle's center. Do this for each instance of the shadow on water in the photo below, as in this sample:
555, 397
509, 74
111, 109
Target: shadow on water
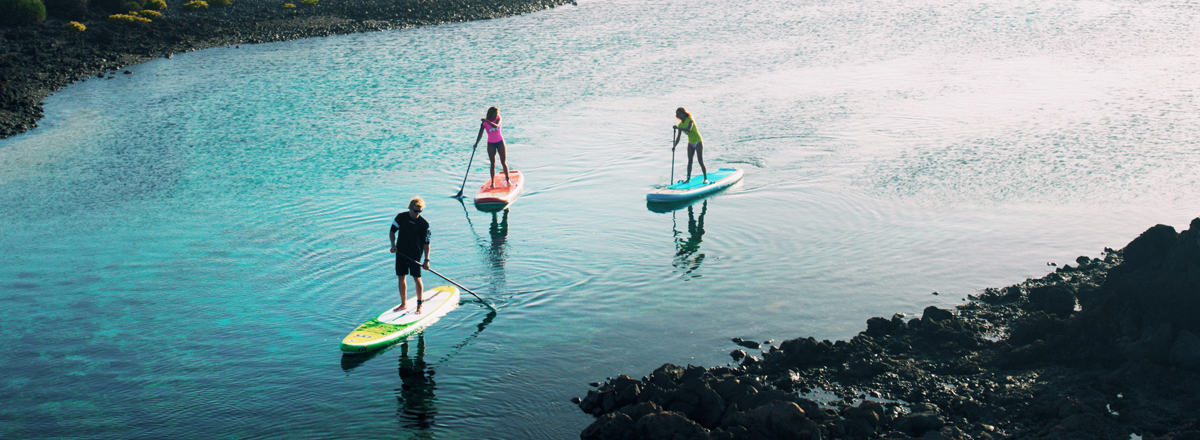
351, 361
687, 256
665, 207
492, 207
416, 400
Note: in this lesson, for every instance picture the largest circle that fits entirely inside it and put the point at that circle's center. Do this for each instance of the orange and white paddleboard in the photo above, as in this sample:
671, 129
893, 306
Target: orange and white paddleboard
500, 192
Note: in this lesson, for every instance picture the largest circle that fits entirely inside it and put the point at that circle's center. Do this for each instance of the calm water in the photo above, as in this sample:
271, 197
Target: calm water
186, 246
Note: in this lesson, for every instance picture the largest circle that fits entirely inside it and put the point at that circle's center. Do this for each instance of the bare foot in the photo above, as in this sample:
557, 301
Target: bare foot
418, 312
399, 308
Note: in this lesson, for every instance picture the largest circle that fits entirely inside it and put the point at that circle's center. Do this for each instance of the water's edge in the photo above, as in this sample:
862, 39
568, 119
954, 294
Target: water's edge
1038, 359
46, 57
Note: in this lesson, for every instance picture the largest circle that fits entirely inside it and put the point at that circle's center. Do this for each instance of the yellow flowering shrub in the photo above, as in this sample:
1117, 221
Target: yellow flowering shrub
196, 4
127, 18
220, 2
150, 14
309, 2
288, 6
75, 26
157, 5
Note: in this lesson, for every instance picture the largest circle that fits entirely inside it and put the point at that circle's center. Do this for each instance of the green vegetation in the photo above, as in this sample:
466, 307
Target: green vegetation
288, 6
220, 2
22, 12
195, 4
127, 18
75, 26
156, 5
150, 14
309, 2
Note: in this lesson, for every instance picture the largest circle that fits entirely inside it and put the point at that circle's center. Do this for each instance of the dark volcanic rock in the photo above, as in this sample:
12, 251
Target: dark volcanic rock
1100, 350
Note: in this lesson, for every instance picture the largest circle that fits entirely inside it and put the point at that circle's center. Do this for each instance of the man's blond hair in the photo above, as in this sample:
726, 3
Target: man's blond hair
417, 201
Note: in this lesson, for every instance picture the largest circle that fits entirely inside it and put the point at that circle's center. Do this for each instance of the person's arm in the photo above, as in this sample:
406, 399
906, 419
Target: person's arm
392, 239
426, 256
480, 135
427, 234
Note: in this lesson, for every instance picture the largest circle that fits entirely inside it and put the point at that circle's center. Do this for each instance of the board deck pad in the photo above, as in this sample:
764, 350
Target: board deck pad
697, 181
390, 326
498, 190
695, 187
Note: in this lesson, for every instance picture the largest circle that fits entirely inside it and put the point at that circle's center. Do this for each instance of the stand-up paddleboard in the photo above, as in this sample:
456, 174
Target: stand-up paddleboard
500, 192
695, 187
389, 327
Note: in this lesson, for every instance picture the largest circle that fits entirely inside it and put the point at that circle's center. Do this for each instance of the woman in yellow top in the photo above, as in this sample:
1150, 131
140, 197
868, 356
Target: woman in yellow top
695, 143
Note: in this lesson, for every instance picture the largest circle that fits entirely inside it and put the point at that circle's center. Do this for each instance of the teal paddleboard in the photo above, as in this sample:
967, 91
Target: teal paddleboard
695, 187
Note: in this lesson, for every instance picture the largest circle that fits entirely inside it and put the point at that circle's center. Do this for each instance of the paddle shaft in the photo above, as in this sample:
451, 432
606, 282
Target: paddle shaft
469, 162
460, 286
674, 143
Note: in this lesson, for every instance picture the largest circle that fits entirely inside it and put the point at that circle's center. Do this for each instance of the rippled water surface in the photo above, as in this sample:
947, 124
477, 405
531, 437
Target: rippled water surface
185, 247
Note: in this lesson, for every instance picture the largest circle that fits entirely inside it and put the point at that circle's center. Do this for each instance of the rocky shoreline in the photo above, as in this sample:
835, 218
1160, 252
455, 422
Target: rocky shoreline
1101, 350
37, 60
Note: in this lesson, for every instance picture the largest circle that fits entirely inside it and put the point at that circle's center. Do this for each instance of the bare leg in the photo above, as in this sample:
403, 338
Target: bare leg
503, 159
492, 157
420, 291
700, 159
691, 153
403, 295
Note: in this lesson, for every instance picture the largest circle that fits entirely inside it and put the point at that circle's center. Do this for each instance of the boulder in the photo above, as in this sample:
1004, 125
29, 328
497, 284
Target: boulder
611, 426
666, 375
934, 314
918, 424
1054, 299
669, 425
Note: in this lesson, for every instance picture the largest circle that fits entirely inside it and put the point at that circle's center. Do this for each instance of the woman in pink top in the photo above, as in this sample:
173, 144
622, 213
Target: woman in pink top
495, 141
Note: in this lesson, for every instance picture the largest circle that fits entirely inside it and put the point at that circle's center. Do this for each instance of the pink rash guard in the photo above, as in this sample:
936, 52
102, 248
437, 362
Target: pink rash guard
493, 131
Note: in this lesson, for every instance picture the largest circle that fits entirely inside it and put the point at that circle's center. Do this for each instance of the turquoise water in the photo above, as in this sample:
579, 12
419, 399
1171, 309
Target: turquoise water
187, 245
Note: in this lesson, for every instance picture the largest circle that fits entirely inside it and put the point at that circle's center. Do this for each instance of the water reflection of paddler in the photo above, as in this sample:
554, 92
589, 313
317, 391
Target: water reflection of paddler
498, 230
686, 247
416, 397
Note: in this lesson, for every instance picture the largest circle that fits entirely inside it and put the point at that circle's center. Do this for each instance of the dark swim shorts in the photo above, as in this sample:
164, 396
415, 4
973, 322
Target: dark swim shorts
405, 266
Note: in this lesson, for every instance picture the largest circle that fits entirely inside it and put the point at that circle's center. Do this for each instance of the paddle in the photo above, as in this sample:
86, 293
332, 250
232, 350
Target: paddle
464, 183
451, 281
674, 143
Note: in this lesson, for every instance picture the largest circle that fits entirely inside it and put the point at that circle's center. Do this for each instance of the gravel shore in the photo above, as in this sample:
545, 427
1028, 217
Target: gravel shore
37, 60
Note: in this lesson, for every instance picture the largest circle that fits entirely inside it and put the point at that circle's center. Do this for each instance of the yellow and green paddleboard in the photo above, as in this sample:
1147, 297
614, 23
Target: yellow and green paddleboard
389, 327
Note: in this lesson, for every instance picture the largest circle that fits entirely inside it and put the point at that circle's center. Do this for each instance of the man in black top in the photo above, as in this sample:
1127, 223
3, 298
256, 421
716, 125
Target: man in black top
410, 237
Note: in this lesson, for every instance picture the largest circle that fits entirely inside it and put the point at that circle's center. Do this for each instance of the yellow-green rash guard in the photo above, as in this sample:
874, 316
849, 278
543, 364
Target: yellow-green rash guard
694, 133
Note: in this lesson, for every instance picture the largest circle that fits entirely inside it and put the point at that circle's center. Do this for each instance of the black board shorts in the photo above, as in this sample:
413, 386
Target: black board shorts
405, 266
